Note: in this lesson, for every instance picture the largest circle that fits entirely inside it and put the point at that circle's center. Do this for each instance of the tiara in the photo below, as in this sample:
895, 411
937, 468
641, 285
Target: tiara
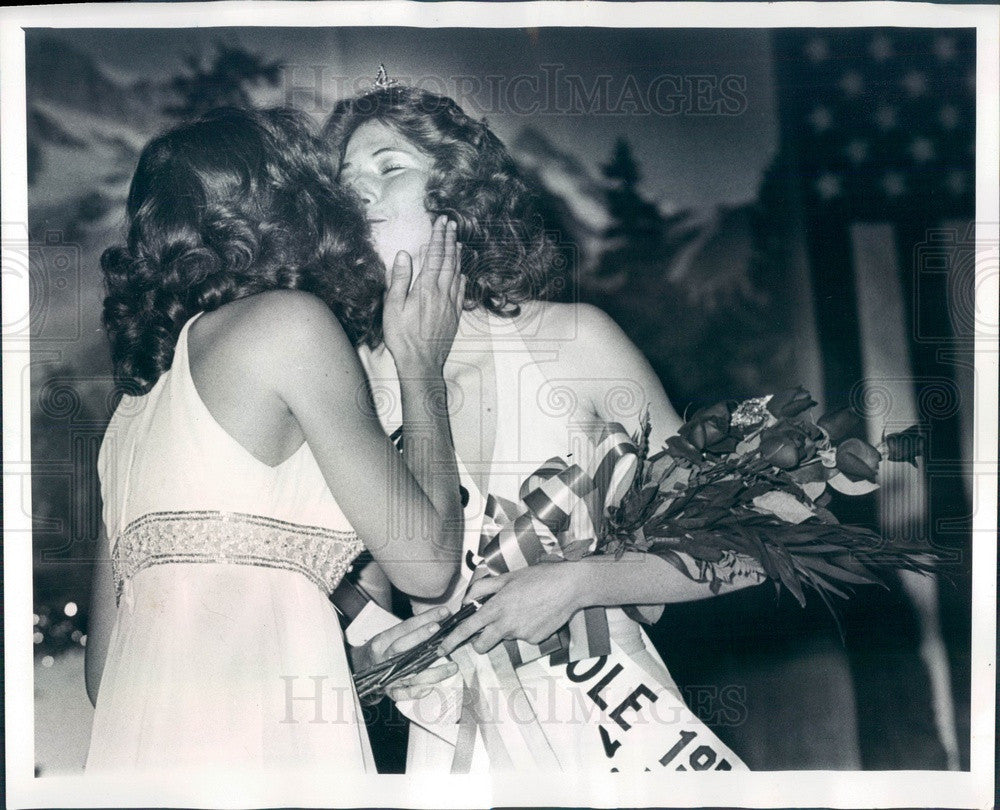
382, 80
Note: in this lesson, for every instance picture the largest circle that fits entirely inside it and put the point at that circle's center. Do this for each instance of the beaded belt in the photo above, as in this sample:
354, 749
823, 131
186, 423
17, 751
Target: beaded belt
323, 555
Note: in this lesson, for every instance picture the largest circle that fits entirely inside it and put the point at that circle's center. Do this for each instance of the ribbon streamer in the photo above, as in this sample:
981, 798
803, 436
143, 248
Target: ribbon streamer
560, 515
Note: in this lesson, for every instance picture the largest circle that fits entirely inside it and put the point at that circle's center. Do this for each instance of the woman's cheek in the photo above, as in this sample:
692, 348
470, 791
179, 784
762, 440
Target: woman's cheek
411, 233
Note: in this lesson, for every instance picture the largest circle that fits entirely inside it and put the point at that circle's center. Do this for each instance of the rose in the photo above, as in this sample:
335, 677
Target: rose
858, 460
812, 436
787, 444
683, 450
905, 446
727, 444
839, 424
790, 402
782, 447
707, 427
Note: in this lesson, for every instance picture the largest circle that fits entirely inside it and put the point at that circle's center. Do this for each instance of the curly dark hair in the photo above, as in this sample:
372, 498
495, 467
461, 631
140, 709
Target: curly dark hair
235, 203
507, 256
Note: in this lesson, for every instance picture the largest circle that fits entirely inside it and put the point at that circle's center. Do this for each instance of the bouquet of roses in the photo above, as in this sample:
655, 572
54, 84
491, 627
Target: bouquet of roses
740, 491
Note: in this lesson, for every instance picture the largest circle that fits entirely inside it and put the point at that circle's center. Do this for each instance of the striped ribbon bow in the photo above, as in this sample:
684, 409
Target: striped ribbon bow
560, 514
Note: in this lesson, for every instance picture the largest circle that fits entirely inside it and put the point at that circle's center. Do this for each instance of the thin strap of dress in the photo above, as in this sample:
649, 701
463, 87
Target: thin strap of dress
512, 361
180, 350
181, 347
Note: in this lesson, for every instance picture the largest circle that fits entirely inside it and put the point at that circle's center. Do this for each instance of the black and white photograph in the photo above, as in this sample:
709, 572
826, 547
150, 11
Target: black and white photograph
467, 404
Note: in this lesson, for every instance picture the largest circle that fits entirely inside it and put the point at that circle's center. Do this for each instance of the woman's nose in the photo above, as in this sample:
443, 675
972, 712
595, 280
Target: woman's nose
365, 189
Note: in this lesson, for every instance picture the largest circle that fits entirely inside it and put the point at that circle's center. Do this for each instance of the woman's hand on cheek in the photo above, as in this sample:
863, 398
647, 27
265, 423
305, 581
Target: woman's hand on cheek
529, 604
420, 314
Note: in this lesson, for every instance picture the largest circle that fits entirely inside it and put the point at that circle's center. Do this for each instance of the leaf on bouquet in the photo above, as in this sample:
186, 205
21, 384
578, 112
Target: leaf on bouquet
674, 476
576, 550
812, 472
836, 572
672, 557
828, 458
845, 485
814, 489
783, 505
658, 456
826, 516
781, 562
825, 589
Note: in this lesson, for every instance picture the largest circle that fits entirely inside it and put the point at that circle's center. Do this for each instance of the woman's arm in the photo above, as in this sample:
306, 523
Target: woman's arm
103, 609
533, 603
405, 508
616, 382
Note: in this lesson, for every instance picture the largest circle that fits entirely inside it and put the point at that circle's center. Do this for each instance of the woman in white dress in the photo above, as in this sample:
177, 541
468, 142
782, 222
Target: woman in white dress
531, 374
246, 468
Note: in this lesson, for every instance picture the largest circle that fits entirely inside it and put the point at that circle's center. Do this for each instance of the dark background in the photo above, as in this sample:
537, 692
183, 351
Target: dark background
705, 187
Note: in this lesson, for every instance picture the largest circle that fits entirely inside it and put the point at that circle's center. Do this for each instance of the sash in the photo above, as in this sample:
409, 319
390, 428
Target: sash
619, 712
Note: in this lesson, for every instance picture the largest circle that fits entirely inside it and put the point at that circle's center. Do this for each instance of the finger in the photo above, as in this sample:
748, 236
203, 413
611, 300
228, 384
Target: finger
403, 628
398, 632
435, 248
460, 295
448, 266
486, 640
399, 694
415, 630
412, 639
486, 586
456, 279
466, 630
430, 676
399, 280
434, 614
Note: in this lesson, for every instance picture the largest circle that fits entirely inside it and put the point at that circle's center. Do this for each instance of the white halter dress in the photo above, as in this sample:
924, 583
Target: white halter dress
573, 705
226, 653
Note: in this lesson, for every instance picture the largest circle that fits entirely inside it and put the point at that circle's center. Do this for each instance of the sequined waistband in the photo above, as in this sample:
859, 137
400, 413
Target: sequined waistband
321, 554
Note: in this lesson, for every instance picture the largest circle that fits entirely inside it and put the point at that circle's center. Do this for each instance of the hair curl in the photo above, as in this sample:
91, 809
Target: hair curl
235, 203
507, 256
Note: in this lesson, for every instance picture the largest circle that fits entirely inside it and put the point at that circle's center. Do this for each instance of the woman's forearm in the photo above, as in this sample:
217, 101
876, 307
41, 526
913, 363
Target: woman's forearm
641, 579
429, 453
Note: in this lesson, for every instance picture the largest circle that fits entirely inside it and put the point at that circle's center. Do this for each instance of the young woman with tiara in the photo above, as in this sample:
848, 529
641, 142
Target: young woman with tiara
245, 469
527, 377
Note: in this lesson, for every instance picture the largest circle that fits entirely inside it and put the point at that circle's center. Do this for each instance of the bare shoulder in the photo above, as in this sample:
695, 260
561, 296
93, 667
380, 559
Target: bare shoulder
584, 324
576, 329
610, 372
280, 312
259, 330
274, 316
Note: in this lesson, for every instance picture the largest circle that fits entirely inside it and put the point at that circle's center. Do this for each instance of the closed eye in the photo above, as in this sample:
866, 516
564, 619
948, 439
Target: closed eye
392, 167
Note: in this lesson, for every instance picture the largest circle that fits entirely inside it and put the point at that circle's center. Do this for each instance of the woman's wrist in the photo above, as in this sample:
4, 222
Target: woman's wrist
419, 360
584, 585
424, 399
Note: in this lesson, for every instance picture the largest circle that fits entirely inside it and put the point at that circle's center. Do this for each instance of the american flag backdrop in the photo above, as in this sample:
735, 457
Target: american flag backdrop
878, 146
